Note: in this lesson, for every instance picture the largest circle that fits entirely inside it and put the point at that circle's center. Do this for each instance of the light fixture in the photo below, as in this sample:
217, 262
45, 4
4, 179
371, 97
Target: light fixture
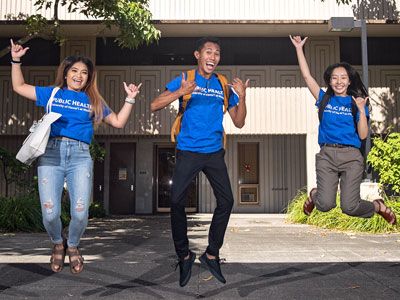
341, 24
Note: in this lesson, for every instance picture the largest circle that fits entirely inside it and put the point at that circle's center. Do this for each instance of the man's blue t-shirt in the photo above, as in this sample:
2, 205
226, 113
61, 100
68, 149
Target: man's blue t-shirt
337, 124
202, 129
76, 121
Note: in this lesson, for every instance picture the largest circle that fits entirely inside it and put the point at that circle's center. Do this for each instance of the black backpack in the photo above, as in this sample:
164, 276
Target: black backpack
354, 111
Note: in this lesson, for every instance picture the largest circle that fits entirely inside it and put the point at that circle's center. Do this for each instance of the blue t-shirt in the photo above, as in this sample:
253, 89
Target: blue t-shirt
202, 129
337, 124
76, 121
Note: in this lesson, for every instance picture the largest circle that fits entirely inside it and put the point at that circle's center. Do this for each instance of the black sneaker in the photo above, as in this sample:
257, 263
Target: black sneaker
213, 266
185, 267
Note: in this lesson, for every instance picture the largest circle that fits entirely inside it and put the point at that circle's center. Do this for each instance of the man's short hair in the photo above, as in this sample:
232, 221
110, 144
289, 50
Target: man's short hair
200, 43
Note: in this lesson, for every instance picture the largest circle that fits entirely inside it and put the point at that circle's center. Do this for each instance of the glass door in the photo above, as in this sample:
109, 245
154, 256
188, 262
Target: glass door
165, 162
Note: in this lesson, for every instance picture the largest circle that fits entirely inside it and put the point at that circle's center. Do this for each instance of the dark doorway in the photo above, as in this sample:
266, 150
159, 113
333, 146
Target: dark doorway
98, 181
122, 178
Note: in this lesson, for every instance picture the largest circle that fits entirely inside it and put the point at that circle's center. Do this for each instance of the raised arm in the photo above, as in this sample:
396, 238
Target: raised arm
238, 112
119, 120
167, 97
362, 125
312, 85
18, 82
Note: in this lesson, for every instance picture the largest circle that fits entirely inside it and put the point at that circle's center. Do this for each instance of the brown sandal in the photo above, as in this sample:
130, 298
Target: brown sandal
72, 253
309, 204
58, 261
386, 212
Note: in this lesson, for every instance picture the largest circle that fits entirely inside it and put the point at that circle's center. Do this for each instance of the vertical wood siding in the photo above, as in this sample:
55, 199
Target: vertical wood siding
246, 10
279, 105
231, 10
282, 168
17, 113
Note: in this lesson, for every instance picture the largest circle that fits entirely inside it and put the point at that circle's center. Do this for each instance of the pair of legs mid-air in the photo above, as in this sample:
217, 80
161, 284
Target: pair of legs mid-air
348, 165
68, 160
188, 165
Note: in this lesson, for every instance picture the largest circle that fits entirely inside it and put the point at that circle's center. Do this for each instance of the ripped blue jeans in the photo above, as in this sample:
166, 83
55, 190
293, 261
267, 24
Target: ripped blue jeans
68, 160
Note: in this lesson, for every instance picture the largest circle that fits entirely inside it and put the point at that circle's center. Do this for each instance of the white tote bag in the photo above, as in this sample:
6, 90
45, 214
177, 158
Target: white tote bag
36, 142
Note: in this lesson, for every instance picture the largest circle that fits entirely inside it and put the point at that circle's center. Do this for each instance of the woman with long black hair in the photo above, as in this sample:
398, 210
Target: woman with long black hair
340, 133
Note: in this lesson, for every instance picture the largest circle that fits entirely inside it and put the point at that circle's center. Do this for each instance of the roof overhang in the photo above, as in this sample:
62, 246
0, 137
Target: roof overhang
220, 28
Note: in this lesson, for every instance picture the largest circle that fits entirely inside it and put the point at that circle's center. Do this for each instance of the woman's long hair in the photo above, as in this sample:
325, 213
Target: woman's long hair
97, 102
356, 87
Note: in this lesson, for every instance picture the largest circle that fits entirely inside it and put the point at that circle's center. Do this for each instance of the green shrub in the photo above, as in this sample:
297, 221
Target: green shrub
335, 219
12, 170
384, 157
20, 213
23, 212
96, 210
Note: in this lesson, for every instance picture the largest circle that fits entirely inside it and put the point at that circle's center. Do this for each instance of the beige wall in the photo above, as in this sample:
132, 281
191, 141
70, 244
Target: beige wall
234, 9
282, 166
278, 101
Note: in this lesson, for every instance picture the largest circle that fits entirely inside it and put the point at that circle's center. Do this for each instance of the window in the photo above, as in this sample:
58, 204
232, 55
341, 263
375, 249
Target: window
381, 51
41, 52
248, 154
179, 51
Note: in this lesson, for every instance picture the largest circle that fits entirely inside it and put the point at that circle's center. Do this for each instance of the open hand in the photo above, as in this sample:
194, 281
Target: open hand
17, 51
239, 87
297, 41
132, 90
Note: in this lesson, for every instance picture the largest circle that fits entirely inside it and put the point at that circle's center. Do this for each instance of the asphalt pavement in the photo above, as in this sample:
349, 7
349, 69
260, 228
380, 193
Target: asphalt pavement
132, 257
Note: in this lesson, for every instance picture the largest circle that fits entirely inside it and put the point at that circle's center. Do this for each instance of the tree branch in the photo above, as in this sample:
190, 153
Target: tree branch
21, 41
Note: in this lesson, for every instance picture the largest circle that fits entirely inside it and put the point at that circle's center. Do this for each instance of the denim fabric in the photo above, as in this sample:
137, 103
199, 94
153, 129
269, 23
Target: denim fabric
69, 160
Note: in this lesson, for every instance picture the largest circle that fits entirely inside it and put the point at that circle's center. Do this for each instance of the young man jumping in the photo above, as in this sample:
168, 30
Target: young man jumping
200, 148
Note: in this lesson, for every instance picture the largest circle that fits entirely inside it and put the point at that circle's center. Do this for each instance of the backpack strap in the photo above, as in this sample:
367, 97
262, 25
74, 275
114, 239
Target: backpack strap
176, 127
225, 88
354, 111
322, 105
223, 81
191, 74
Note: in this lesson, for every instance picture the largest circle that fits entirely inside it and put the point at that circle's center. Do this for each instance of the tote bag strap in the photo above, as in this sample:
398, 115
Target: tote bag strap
48, 107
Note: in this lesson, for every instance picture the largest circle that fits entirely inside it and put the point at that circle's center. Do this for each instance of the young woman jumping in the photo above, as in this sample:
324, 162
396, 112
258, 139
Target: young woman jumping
67, 154
340, 136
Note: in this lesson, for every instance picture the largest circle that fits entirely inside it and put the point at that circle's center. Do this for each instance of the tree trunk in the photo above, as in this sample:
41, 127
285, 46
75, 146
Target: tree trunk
5, 177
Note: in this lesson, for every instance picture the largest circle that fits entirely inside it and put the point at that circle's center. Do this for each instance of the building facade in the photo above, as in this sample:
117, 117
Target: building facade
272, 156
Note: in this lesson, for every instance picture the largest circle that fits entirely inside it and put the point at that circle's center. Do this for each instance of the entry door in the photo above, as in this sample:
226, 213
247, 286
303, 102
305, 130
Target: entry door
122, 178
166, 157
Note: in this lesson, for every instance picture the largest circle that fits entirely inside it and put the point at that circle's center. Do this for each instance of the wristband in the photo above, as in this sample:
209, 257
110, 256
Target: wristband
130, 100
14, 62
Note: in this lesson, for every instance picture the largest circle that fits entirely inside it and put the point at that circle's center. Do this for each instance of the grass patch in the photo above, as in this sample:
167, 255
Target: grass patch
335, 219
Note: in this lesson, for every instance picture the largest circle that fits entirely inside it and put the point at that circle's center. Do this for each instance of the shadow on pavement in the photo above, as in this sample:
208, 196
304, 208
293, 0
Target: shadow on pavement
157, 280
